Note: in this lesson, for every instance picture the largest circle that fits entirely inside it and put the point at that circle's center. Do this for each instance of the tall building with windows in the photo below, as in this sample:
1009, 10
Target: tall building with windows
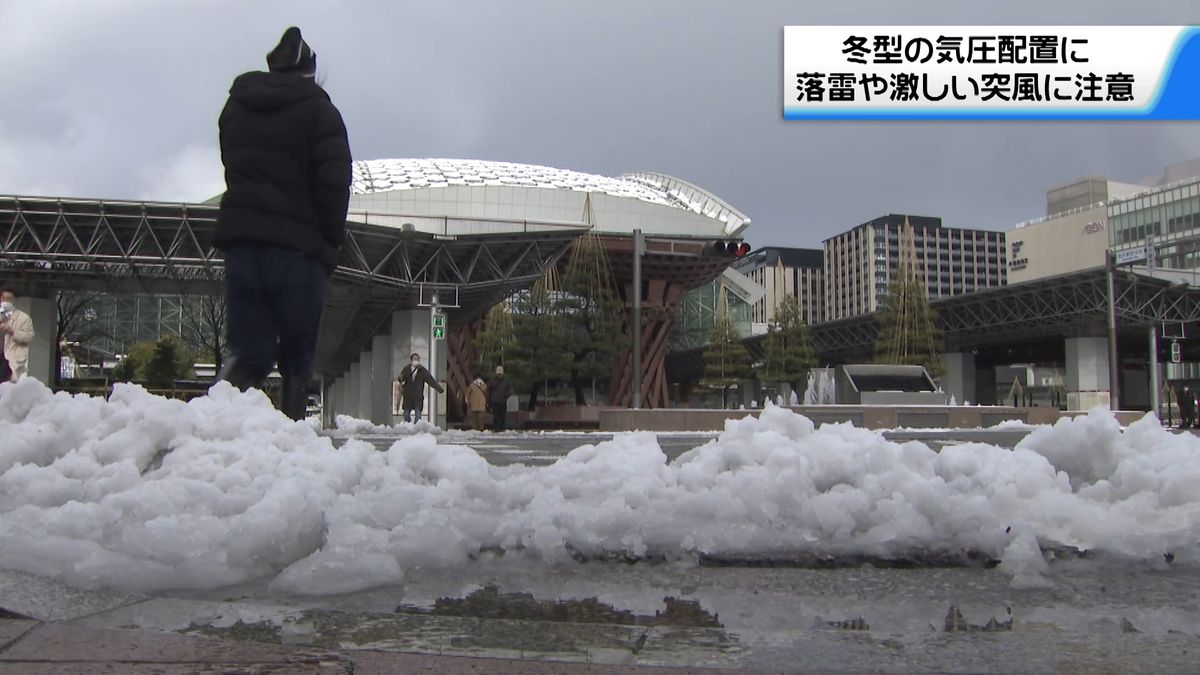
859, 264
1165, 218
782, 272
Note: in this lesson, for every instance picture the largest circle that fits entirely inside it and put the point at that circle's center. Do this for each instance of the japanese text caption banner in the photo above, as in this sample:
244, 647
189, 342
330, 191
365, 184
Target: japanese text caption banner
991, 72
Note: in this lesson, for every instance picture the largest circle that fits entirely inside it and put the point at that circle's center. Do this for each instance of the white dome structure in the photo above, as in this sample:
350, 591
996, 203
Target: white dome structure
466, 196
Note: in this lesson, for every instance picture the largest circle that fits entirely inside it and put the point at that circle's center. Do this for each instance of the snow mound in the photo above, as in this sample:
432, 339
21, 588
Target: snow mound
144, 493
352, 426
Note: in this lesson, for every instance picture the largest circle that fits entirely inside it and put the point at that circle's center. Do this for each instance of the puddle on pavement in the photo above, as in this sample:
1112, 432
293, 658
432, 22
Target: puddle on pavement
489, 603
489, 621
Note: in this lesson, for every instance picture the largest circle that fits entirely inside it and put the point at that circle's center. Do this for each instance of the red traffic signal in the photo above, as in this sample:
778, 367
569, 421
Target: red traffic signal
728, 249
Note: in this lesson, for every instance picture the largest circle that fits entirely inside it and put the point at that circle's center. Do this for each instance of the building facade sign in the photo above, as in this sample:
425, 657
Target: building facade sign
1016, 261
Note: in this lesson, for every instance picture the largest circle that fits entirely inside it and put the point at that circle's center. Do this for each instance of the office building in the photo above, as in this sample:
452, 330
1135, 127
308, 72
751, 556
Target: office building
782, 272
860, 263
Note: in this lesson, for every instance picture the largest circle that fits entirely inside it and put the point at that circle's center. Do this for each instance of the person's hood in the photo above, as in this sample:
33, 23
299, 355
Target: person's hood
260, 90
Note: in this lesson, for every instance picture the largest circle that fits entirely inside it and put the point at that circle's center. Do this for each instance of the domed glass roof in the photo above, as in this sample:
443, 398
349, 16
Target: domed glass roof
382, 175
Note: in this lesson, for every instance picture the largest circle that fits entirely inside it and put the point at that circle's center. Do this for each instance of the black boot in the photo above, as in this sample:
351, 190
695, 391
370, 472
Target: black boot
238, 376
293, 396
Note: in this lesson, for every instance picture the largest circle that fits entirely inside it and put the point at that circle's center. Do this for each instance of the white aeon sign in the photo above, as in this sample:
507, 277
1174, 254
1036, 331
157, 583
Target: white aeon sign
991, 72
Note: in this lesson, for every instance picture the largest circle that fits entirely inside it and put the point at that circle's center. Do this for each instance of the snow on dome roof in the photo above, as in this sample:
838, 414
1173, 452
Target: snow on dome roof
382, 175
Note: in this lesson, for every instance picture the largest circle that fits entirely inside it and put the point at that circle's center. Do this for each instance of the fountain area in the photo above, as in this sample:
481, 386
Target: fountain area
821, 390
873, 396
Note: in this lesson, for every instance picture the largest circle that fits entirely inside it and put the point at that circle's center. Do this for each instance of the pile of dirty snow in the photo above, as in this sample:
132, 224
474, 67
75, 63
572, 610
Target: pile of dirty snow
143, 493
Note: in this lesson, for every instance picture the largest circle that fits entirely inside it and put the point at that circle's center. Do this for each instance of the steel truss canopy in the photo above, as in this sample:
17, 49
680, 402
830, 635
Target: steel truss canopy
1071, 305
166, 248
132, 247
384, 269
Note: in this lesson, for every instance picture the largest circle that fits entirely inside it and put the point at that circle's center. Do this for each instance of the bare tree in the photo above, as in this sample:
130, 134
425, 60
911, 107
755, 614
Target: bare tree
76, 323
205, 325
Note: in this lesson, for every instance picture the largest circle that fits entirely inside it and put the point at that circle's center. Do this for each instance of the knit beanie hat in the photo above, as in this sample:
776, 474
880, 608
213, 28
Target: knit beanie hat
292, 55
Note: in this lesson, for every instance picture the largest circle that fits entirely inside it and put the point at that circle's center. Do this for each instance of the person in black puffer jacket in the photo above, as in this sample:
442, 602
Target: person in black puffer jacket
282, 219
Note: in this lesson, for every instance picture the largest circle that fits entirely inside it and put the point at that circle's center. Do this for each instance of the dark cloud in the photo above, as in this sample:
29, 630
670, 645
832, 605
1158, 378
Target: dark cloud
120, 100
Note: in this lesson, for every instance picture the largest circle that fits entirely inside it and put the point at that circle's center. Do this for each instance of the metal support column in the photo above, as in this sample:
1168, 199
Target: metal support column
1154, 370
1114, 366
433, 359
638, 245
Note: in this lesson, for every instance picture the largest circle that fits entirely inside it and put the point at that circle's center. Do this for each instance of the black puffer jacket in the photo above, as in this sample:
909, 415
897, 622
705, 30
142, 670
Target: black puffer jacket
287, 166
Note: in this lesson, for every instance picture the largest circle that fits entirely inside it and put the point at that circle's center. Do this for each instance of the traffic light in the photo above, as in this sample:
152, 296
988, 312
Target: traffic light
1176, 352
727, 249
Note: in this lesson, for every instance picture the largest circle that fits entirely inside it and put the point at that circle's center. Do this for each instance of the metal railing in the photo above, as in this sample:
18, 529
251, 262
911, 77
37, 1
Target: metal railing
184, 391
1151, 190
1062, 214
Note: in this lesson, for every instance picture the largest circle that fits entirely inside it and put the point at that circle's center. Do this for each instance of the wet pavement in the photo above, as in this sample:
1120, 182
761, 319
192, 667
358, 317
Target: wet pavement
1096, 616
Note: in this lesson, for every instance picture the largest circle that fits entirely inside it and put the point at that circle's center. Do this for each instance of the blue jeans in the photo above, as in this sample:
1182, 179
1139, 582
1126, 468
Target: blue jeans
273, 302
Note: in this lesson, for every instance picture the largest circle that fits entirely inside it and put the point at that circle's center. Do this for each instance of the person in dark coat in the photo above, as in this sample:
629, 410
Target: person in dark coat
282, 218
498, 392
412, 380
1187, 408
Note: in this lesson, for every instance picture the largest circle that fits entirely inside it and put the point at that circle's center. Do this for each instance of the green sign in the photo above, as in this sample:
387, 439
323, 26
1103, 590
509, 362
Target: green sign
439, 320
439, 333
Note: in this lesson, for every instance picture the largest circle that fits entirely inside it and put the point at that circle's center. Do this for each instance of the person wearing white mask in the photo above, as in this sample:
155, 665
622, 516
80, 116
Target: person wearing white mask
17, 329
412, 383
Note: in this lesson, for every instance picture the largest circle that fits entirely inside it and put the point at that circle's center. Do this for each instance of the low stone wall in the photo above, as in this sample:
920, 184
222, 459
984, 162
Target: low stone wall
870, 417
558, 416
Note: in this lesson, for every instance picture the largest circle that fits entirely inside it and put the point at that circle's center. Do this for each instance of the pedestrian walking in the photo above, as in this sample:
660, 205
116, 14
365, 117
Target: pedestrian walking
1187, 408
412, 381
498, 392
477, 400
17, 329
282, 218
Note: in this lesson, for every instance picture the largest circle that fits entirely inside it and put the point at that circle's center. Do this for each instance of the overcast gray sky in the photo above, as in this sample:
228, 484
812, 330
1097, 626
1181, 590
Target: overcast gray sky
119, 99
